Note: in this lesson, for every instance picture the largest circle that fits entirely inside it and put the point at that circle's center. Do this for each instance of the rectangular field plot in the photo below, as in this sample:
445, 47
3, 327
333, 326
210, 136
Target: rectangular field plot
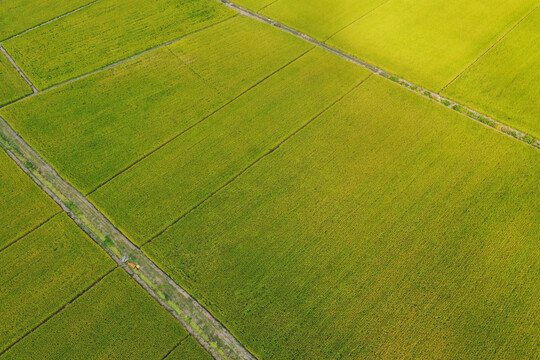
189, 349
390, 227
430, 42
12, 85
105, 32
19, 15
158, 190
94, 128
42, 272
319, 18
505, 83
114, 319
24, 205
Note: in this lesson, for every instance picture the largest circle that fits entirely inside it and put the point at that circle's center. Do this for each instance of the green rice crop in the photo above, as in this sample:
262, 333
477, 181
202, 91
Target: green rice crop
24, 205
189, 349
43, 271
505, 83
390, 227
13, 85
319, 18
155, 192
107, 31
430, 42
19, 15
114, 319
94, 128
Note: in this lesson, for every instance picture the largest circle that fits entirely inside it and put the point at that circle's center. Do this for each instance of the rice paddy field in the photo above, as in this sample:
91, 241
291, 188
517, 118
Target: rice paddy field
394, 233
13, 85
17, 16
183, 173
105, 32
24, 206
136, 327
505, 82
316, 209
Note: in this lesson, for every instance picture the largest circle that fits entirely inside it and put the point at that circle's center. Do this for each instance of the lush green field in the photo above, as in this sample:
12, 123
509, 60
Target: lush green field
95, 127
19, 15
158, 190
107, 31
319, 18
254, 4
430, 42
43, 271
13, 85
390, 227
505, 83
116, 319
24, 205
189, 349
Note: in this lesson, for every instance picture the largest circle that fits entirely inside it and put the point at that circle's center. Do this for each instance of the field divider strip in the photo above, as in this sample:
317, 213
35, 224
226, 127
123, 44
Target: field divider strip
491, 47
19, 70
432, 95
119, 62
175, 346
29, 231
253, 163
59, 310
51, 20
227, 103
198, 321
356, 20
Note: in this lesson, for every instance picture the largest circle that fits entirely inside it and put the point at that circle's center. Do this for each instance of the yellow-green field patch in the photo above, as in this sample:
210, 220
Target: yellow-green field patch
24, 206
13, 86
106, 32
319, 18
19, 15
505, 83
158, 190
430, 42
114, 319
43, 271
390, 227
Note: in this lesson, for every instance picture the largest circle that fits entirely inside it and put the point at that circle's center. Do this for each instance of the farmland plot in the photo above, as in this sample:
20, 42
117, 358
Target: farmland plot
390, 227
95, 127
505, 83
19, 15
189, 349
319, 18
43, 271
12, 85
24, 206
254, 4
430, 42
106, 32
159, 189
114, 319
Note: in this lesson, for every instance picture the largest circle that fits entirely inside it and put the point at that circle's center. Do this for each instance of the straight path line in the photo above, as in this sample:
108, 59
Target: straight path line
231, 180
29, 232
464, 110
356, 20
197, 320
19, 70
491, 47
58, 311
67, 82
175, 346
50, 21
227, 103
